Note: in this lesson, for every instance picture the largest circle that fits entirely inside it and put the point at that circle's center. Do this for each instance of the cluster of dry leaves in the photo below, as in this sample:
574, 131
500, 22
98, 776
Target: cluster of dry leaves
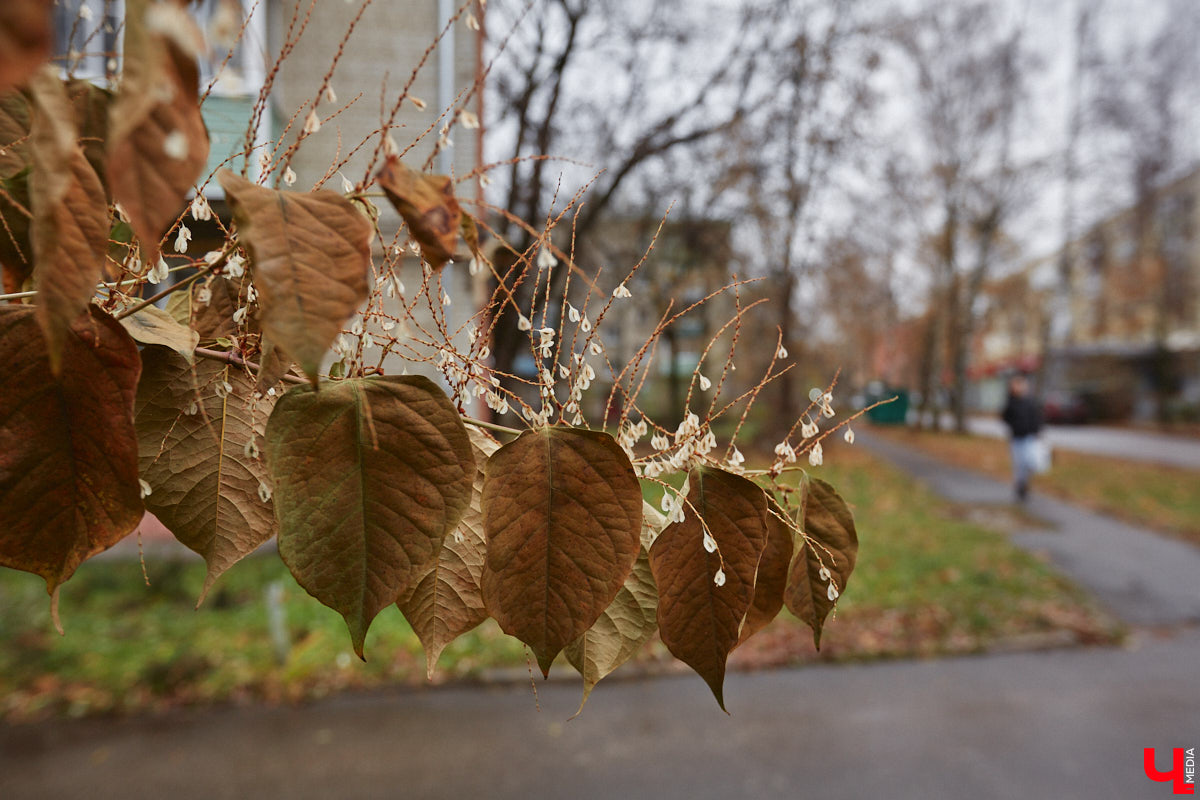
378, 489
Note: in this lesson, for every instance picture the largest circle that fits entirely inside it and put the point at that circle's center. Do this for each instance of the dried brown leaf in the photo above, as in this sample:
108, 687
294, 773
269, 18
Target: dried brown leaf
829, 523
68, 451
158, 145
470, 233
70, 216
624, 627
273, 364
26, 37
15, 121
369, 475
447, 601
213, 319
698, 620
193, 437
91, 103
16, 246
152, 325
428, 206
16, 249
310, 255
772, 574
562, 510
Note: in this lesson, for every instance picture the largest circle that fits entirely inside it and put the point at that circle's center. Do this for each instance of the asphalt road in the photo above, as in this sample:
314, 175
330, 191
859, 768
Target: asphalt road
1057, 724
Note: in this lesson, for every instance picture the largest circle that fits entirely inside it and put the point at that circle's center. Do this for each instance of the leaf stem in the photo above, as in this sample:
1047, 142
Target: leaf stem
149, 301
491, 426
112, 285
230, 357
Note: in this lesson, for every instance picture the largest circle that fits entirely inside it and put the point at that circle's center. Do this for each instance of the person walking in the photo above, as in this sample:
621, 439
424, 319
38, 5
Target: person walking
1023, 416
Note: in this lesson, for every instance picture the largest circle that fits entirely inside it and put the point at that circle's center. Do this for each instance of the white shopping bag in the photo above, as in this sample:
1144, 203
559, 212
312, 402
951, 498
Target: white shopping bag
1041, 455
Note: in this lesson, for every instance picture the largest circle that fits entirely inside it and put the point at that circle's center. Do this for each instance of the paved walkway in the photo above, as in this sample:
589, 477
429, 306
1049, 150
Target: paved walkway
1135, 445
1144, 578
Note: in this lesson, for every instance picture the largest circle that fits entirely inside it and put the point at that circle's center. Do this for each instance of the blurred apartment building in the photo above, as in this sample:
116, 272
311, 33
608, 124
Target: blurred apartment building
1114, 320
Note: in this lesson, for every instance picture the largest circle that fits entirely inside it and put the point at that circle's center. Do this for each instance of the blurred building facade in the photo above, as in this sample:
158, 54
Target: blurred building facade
1113, 318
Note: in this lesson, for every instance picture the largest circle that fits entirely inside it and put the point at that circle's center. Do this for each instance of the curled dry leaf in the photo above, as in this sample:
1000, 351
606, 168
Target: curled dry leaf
273, 364
26, 36
772, 575
91, 103
310, 254
16, 246
562, 510
829, 523
698, 620
70, 216
624, 627
15, 120
152, 325
66, 493
470, 233
158, 144
192, 439
428, 206
447, 600
369, 476
213, 318
16, 250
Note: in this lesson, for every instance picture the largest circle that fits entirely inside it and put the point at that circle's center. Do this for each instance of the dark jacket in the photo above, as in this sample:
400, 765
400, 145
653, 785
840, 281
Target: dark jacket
1023, 416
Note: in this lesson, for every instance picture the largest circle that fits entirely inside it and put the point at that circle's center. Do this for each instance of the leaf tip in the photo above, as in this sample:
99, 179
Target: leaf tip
432, 654
209, 579
54, 612
545, 659
587, 692
358, 636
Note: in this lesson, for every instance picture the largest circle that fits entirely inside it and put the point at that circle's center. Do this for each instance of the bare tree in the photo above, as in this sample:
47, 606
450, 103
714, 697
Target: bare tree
615, 74
968, 79
809, 121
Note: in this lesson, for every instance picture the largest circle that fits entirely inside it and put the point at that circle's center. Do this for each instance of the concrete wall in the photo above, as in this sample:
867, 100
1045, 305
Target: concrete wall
386, 45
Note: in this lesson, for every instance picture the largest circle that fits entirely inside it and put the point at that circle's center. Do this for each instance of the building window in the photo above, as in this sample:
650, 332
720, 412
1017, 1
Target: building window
87, 36
232, 75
